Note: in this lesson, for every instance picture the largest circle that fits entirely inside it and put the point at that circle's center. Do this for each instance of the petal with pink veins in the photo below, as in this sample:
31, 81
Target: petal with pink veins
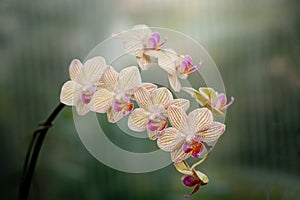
162, 96
170, 139
200, 119
178, 118
213, 133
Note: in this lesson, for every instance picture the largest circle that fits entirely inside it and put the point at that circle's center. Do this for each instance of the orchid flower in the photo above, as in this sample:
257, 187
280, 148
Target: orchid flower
84, 83
114, 98
152, 114
176, 66
188, 133
138, 41
191, 178
208, 97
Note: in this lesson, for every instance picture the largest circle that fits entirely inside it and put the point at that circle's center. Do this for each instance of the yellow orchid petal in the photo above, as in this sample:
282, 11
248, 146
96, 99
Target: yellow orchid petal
202, 98
170, 139
204, 179
101, 101
183, 168
70, 93
174, 82
109, 79
143, 98
178, 118
129, 78
213, 133
182, 103
162, 96
200, 119
137, 120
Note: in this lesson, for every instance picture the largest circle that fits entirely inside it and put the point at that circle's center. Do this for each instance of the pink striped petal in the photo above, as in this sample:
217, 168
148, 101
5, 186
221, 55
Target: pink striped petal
200, 119
182, 103
170, 139
109, 79
178, 118
213, 133
178, 155
162, 96
143, 98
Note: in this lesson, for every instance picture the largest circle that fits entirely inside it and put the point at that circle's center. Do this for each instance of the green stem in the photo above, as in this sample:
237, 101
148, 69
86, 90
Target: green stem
33, 153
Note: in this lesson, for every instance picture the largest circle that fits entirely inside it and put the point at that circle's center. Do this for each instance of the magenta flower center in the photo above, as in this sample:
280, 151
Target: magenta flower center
87, 94
122, 104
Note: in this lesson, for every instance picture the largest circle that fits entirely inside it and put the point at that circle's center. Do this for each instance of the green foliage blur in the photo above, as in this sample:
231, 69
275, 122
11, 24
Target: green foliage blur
255, 45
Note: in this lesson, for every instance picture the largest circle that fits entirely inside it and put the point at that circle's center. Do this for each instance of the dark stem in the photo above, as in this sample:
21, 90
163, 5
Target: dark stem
33, 153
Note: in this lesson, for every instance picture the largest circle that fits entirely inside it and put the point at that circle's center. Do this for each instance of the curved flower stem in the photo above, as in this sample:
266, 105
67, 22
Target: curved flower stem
200, 161
33, 153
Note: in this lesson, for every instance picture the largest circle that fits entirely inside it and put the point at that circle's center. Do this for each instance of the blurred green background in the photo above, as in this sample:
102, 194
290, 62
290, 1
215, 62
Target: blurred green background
255, 45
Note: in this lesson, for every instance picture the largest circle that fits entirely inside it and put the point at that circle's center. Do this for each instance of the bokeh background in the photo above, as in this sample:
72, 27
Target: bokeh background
255, 45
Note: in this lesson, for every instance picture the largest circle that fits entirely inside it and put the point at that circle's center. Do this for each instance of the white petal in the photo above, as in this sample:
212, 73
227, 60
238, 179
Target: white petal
134, 38
76, 71
144, 62
70, 92
101, 101
182, 103
213, 133
179, 155
94, 68
137, 120
109, 79
162, 96
149, 86
143, 98
174, 82
167, 59
129, 78
178, 118
82, 108
113, 116
200, 119
170, 139
152, 135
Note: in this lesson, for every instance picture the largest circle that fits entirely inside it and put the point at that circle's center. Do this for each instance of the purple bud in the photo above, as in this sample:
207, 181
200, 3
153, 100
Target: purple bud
190, 181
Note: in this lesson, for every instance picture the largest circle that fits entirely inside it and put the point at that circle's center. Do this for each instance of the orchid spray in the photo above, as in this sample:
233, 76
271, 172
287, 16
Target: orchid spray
98, 87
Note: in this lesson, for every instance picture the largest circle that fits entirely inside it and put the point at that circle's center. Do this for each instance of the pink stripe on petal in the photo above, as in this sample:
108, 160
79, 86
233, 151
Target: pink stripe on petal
156, 36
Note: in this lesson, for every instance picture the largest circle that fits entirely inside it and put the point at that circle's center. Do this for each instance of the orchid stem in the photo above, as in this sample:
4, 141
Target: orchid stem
33, 153
200, 161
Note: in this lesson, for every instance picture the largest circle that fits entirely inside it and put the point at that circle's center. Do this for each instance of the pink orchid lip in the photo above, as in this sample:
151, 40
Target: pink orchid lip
86, 98
191, 181
123, 105
196, 147
87, 94
156, 126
